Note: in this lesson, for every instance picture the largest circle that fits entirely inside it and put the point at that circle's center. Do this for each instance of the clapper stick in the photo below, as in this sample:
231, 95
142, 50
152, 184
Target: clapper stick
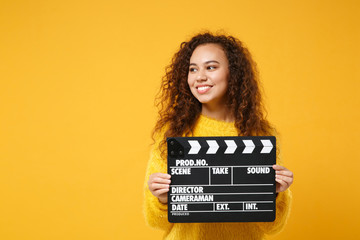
222, 179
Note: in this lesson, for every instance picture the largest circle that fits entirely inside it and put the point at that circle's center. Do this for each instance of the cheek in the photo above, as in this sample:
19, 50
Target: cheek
224, 85
190, 81
221, 80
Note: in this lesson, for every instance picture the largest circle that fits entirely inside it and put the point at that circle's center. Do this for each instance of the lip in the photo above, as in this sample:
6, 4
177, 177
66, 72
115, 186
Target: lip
202, 91
203, 85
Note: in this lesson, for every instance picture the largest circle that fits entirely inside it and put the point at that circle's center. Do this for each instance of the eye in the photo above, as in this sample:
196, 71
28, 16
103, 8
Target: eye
192, 69
211, 67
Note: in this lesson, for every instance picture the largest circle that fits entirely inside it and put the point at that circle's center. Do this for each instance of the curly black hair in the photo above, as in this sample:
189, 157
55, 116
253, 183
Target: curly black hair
179, 109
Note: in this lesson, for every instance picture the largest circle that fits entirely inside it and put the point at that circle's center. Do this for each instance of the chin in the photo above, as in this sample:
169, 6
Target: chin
201, 99
204, 101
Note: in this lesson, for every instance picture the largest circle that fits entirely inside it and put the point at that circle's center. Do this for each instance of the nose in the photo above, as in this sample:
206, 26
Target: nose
201, 76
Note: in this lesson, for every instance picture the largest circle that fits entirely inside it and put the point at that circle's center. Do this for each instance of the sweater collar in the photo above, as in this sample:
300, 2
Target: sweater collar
215, 125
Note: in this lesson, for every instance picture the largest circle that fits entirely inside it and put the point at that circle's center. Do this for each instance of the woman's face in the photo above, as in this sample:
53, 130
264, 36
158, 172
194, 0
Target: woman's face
208, 74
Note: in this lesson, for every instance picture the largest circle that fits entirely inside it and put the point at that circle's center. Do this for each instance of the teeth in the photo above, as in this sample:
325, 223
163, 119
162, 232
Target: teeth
203, 88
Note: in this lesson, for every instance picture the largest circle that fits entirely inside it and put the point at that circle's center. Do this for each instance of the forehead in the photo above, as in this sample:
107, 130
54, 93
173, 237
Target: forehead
207, 52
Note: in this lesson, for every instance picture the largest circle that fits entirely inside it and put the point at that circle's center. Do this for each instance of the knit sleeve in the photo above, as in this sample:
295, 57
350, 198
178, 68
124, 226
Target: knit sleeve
283, 201
155, 212
283, 205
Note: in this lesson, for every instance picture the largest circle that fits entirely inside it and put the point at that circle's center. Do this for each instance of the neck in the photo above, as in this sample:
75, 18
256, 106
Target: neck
218, 113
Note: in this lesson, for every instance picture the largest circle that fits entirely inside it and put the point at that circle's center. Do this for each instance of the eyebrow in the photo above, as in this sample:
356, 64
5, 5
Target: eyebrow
207, 62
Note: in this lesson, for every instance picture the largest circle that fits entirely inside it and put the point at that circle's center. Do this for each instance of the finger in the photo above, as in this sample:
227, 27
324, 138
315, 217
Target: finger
158, 176
288, 180
278, 167
282, 183
285, 173
161, 180
156, 186
162, 175
157, 193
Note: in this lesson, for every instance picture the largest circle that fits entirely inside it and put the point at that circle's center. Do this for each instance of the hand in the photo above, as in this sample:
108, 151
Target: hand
284, 178
159, 184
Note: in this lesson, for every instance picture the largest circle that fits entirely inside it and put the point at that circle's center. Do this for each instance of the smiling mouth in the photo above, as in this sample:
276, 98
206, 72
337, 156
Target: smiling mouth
203, 89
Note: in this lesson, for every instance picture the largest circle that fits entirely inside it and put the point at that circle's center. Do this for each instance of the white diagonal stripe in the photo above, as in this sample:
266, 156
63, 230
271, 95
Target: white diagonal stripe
213, 147
267, 146
231, 146
249, 146
195, 146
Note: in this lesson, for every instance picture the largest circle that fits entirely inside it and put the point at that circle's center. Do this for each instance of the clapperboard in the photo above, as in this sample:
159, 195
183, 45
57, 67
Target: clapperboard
222, 179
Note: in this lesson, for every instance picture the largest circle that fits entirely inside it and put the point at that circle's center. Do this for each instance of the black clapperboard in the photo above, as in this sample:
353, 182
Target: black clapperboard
221, 179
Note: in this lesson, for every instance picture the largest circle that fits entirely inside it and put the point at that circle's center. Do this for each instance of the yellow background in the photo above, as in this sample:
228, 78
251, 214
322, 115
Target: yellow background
77, 86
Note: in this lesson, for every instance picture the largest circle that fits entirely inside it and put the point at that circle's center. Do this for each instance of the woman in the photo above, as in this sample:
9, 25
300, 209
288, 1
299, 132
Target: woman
210, 89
